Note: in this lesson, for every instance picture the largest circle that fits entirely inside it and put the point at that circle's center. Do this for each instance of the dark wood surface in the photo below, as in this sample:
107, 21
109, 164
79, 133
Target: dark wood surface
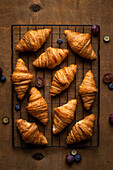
56, 12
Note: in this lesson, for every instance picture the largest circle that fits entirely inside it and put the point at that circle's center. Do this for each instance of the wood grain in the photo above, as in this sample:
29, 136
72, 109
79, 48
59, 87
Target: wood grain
56, 12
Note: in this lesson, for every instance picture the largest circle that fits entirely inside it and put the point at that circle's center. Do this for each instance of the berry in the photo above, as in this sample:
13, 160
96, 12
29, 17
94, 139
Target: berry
108, 77
110, 86
69, 159
106, 38
39, 82
95, 29
111, 119
73, 152
59, 41
2, 79
1, 71
5, 120
17, 107
77, 158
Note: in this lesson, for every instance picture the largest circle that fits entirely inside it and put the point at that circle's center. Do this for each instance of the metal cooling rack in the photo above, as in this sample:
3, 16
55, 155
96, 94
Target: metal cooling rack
17, 31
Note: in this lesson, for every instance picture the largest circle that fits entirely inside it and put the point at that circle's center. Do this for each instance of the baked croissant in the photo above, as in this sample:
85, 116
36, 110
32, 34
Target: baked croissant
88, 90
21, 78
33, 40
80, 44
62, 79
82, 130
64, 116
51, 58
30, 133
37, 106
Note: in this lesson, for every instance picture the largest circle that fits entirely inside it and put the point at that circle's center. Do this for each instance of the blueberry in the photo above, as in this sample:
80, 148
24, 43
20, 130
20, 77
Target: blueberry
1, 71
110, 86
2, 79
59, 41
95, 29
77, 158
69, 159
17, 107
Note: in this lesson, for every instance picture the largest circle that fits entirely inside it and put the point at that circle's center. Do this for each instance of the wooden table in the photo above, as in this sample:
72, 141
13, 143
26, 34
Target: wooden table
56, 12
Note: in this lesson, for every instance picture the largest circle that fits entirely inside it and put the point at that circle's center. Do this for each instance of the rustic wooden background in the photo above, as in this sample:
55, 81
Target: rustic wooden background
56, 12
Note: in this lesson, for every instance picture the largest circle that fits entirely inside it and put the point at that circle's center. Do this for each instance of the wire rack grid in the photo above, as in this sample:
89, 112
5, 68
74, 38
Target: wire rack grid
17, 31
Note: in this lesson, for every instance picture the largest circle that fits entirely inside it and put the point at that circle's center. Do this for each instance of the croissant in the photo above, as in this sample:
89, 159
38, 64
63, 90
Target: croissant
37, 106
82, 130
80, 44
51, 58
88, 90
33, 40
30, 133
64, 116
62, 79
21, 78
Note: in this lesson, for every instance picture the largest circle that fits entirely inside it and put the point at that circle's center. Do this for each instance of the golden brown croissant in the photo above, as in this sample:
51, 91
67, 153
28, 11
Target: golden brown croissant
82, 130
33, 40
51, 58
64, 116
37, 106
21, 78
88, 90
80, 44
30, 133
62, 79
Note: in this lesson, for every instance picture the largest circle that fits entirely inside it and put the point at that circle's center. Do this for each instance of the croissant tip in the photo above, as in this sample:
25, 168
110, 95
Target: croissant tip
93, 115
87, 108
19, 48
17, 120
44, 142
74, 66
54, 133
45, 123
65, 51
68, 141
54, 130
95, 58
19, 59
73, 100
66, 31
34, 63
48, 30
20, 97
51, 94
32, 90
15, 48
